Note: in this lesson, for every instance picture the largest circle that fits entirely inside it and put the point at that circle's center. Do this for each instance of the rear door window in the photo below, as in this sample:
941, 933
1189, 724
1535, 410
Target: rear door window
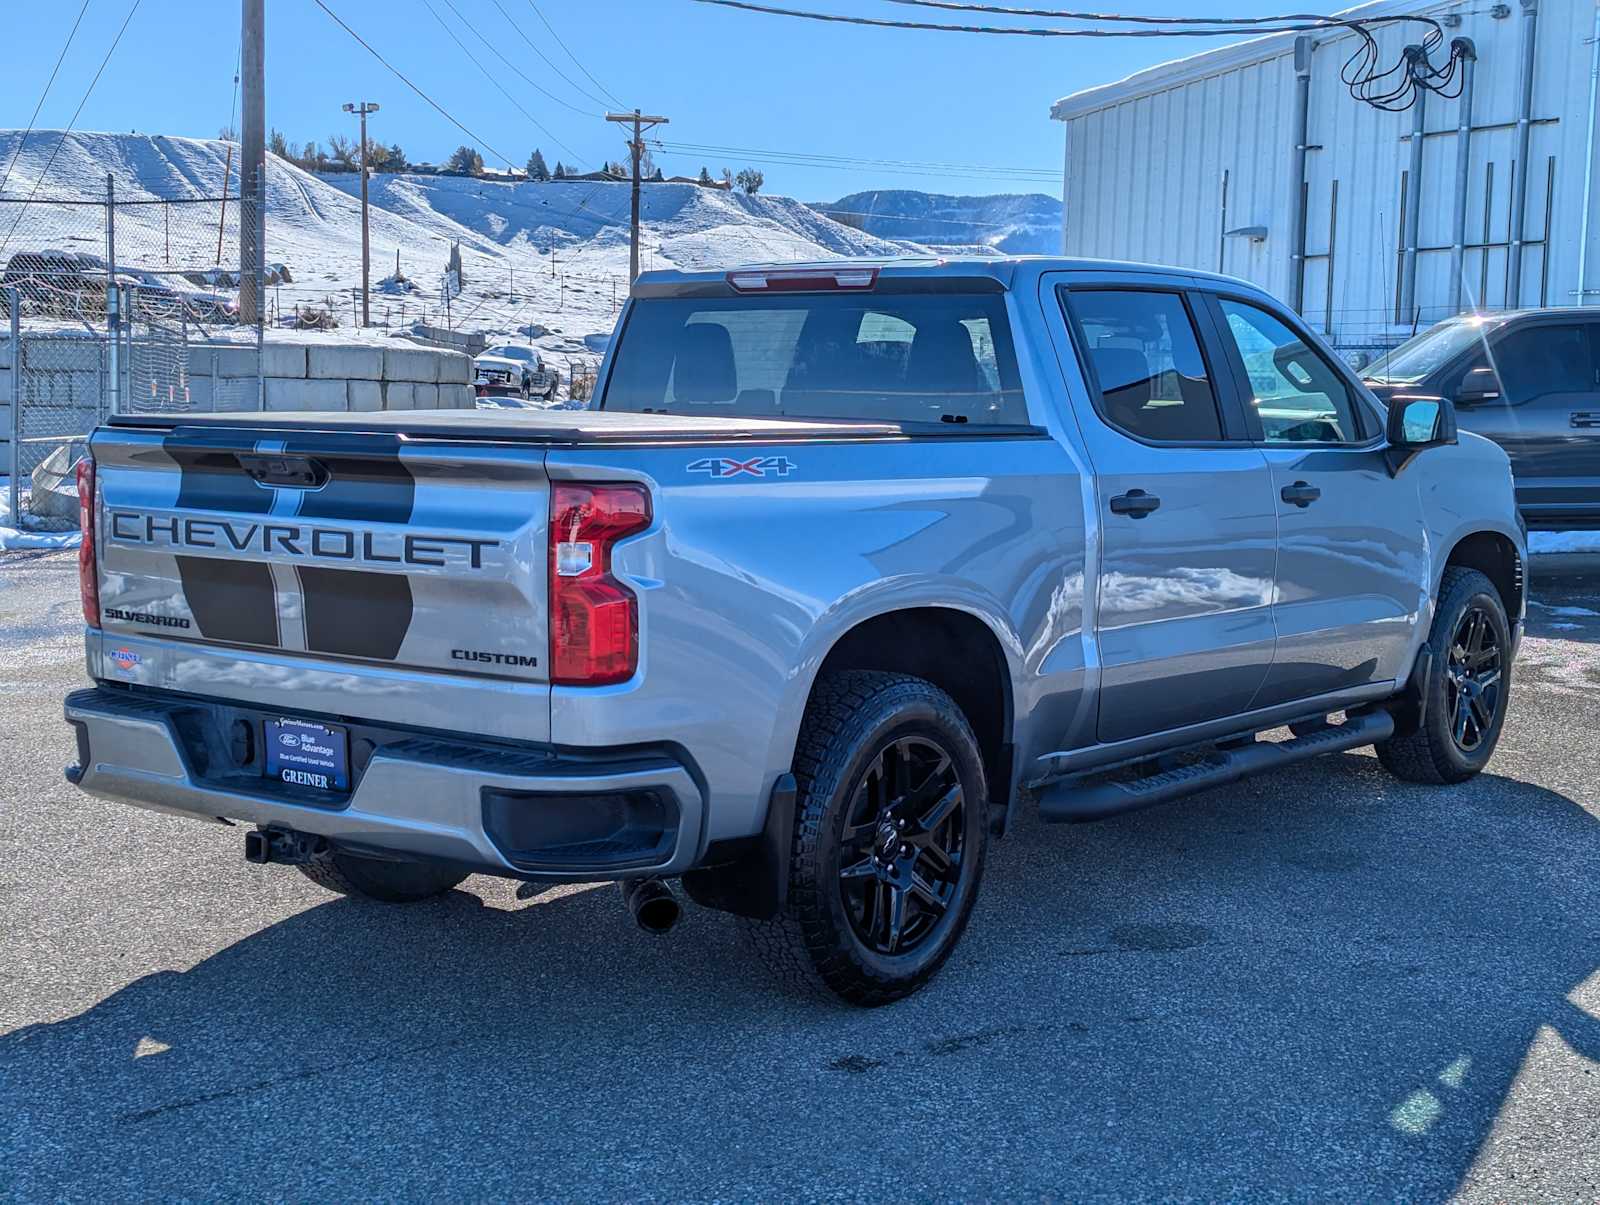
1145, 359
907, 357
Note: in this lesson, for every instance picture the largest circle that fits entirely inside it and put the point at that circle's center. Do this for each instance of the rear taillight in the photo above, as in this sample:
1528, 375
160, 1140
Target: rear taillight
88, 581
594, 618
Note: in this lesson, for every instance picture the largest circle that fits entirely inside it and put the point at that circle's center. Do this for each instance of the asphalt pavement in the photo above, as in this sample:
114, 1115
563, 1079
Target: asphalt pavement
1321, 982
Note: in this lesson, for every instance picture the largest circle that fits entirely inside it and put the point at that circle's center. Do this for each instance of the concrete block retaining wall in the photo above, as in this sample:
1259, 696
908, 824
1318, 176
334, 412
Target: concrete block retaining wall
296, 376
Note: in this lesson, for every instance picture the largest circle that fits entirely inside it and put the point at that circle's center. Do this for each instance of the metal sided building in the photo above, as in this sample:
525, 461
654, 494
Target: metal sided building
1255, 160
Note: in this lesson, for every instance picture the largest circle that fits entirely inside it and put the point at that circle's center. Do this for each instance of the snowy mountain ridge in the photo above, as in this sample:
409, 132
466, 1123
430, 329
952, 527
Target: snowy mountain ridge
1000, 224
549, 260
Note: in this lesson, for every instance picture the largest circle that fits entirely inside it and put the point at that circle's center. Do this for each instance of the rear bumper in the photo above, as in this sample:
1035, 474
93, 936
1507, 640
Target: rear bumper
523, 813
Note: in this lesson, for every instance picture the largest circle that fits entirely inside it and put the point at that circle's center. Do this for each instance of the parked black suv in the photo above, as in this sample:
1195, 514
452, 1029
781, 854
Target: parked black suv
1530, 381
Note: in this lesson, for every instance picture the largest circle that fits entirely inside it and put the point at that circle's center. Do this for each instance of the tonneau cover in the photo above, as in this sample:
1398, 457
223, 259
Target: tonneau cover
563, 426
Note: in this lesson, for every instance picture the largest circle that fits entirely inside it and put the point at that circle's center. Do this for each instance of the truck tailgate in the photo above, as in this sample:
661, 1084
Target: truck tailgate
336, 572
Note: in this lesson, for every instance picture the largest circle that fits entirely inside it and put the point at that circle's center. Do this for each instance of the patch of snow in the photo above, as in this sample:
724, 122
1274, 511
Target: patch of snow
1568, 612
15, 539
1541, 542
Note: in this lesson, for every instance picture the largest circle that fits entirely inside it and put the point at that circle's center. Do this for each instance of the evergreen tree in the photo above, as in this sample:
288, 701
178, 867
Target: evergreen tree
561, 170
750, 179
467, 161
396, 162
279, 145
705, 176
658, 176
537, 170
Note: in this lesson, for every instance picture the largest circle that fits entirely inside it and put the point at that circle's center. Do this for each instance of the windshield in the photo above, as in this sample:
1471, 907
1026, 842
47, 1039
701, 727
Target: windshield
909, 357
511, 353
1418, 356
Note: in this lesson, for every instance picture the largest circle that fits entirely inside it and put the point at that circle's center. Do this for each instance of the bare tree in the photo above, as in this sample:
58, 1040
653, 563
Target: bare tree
345, 152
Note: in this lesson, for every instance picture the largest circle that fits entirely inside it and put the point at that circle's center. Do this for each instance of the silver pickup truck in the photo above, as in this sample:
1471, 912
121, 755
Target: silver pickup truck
847, 563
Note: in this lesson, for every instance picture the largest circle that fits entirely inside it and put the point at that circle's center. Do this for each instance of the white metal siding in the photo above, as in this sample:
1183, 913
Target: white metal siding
1144, 175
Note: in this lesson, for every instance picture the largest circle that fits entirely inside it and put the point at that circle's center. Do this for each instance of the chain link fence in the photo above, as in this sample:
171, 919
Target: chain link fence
103, 303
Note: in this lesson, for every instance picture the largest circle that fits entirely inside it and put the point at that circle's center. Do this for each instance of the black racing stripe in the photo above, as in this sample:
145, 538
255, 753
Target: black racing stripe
355, 614
211, 477
230, 600
368, 483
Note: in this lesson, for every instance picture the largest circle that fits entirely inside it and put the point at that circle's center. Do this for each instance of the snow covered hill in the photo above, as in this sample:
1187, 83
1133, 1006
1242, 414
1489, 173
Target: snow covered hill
1008, 223
550, 260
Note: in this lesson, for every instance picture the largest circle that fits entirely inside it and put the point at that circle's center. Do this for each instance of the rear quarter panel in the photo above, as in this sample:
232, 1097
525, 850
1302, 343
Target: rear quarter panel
746, 582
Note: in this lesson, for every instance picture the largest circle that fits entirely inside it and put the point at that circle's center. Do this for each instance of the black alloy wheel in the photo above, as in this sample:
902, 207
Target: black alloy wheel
902, 846
1472, 679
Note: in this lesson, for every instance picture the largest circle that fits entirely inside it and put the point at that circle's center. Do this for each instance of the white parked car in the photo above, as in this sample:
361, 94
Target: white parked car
511, 371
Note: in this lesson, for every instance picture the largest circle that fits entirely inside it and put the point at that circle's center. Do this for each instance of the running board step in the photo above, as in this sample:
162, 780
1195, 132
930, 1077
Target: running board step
1071, 803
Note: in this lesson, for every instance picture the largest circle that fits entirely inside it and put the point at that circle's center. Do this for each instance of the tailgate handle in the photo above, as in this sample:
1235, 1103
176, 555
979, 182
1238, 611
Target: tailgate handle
295, 472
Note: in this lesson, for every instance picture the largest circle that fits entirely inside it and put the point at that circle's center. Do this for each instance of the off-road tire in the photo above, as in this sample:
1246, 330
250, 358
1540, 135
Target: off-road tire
374, 879
810, 946
1429, 754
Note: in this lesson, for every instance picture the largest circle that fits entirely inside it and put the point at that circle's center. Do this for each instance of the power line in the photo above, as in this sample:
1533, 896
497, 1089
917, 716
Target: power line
443, 112
535, 85
818, 159
1056, 14
829, 211
1392, 90
489, 75
913, 173
538, 12
1015, 31
48, 84
548, 60
87, 92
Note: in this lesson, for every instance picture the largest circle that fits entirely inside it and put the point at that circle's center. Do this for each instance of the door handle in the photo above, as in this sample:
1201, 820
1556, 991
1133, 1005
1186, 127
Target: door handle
1300, 494
1586, 418
1135, 503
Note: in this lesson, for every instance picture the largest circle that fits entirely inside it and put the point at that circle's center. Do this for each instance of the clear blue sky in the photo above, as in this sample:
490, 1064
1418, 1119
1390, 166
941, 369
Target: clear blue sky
726, 78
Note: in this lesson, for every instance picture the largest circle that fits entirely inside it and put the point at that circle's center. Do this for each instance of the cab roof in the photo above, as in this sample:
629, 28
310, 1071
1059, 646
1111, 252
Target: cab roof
1003, 270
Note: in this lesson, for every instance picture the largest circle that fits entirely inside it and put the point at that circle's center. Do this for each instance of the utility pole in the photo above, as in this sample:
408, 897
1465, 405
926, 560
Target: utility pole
366, 247
252, 160
640, 123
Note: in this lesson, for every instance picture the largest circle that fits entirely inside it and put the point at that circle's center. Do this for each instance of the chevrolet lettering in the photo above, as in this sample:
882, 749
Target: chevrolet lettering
295, 540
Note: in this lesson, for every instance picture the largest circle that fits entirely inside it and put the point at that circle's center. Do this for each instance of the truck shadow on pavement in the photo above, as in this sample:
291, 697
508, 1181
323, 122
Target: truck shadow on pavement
1244, 994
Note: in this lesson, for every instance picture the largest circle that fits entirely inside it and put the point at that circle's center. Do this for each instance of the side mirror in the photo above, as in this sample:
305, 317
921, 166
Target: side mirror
1418, 423
1478, 387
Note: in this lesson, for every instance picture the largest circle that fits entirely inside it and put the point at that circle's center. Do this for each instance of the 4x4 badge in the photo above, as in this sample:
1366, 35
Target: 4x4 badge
756, 466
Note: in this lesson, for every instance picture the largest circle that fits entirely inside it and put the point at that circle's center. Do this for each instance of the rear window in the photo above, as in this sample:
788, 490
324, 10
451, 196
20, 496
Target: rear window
928, 357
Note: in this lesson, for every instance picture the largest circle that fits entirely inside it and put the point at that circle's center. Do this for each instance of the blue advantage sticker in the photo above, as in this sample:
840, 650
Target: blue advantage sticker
304, 754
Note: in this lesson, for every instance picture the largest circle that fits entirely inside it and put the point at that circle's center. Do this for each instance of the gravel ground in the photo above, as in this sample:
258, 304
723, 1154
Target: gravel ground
1318, 983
